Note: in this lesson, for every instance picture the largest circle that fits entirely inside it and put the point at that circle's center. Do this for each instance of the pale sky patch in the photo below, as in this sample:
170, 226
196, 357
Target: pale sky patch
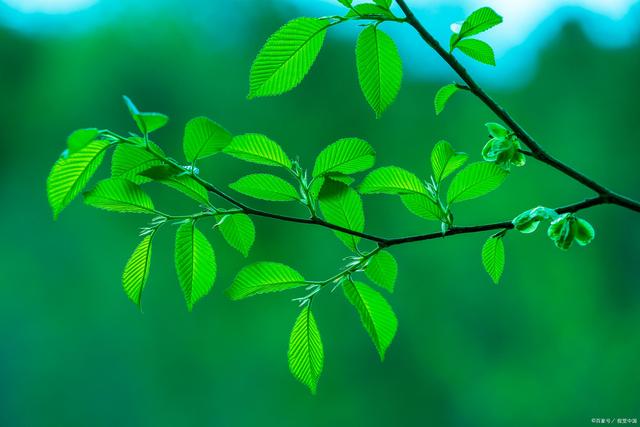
49, 6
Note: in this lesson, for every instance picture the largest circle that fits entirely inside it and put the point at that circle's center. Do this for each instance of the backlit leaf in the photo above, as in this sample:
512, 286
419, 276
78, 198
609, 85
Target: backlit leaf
80, 138
479, 21
146, 122
493, 257
70, 175
306, 355
341, 205
136, 272
379, 68
266, 187
478, 50
346, 156
475, 180
195, 263
239, 232
376, 314
119, 195
443, 95
423, 206
287, 57
264, 277
382, 269
392, 180
129, 161
445, 160
189, 187
256, 148
203, 137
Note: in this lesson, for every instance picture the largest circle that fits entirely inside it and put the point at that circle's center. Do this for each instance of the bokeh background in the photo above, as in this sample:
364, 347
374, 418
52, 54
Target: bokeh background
556, 343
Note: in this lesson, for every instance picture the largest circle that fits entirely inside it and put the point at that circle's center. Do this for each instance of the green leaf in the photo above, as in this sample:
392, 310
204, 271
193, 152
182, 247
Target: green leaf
341, 205
119, 195
189, 187
195, 263
146, 122
443, 95
346, 3
369, 9
382, 269
376, 314
203, 138
445, 160
423, 206
478, 50
256, 148
80, 138
264, 186
392, 180
345, 156
239, 232
493, 257
136, 272
528, 221
70, 175
584, 233
497, 130
306, 356
474, 181
383, 3
287, 57
129, 161
379, 68
264, 277
479, 21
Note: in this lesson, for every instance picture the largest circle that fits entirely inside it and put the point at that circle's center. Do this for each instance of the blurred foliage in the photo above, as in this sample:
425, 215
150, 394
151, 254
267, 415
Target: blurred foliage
555, 344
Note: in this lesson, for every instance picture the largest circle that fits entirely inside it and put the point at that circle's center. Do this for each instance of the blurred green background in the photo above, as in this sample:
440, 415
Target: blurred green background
556, 343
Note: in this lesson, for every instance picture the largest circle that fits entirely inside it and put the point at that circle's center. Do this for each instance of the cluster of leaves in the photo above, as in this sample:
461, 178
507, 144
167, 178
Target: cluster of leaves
328, 190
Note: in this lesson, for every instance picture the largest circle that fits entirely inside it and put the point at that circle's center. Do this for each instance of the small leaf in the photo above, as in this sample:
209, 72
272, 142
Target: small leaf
478, 50
474, 181
346, 156
80, 138
264, 277
265, 186
383, 3
256, 148
443, 95
493, 257
369, 9
392, 180
376, 314
497, 130
478, 22
445, 160
239, 232
136, 272
287, 57
379, 68
306, 355
382, 269
119, 195
70, 175
203, 138
584, 233
189, 187
423, 206
146, 122
195, 263
346, 3
130, 161
341, 205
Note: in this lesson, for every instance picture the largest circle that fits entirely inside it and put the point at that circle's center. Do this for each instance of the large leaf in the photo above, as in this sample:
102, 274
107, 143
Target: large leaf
146, 122
376, 314
392, 180
136, 272
188, 186
382, 269
129, 161
195, 263
345, 156
306, 356
493, 257
264, 277
445, 160
341, 205
256, 148
287, 57
443, 95
80, 138
203, 137
478, 50
119, 195
474, 181
379, 68
239, 232
265, 186
70, 175
479, 21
